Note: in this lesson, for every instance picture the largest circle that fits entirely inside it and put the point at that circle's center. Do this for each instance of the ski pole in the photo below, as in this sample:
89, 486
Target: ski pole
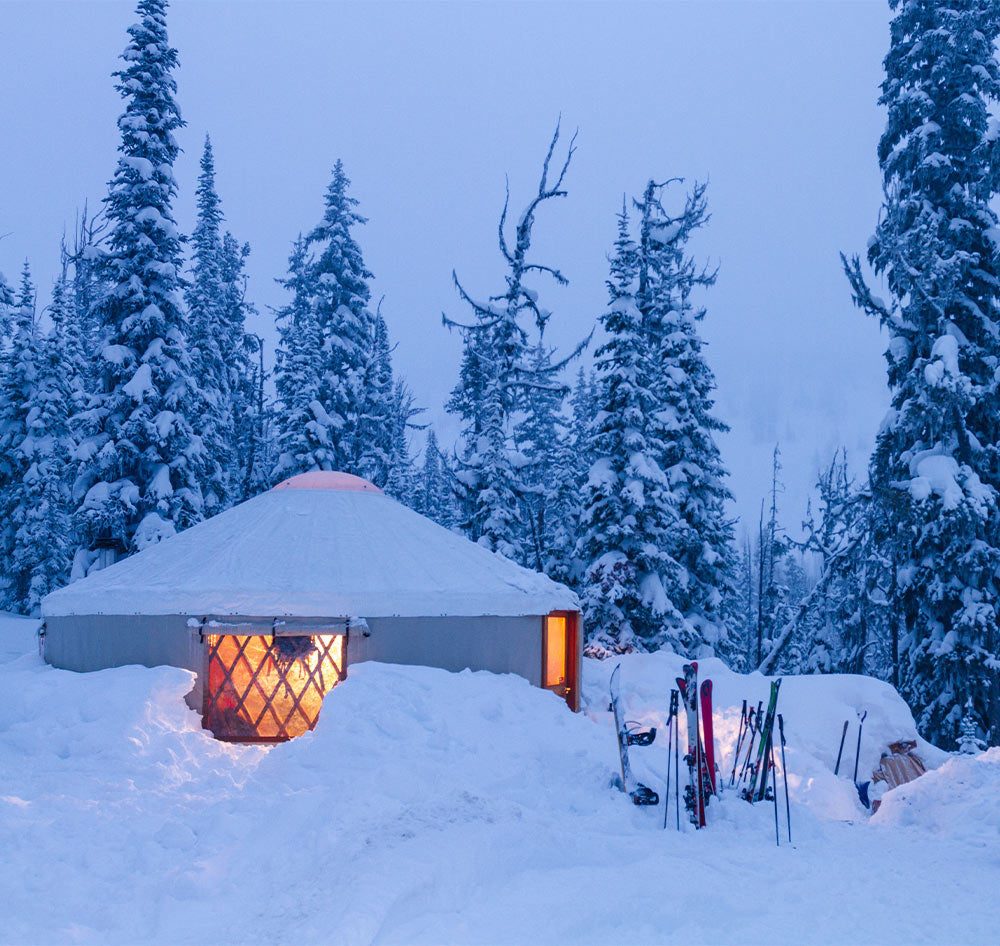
784, 775
857, 755
774, 791
758, 720
739, 741
670, 743
843, 736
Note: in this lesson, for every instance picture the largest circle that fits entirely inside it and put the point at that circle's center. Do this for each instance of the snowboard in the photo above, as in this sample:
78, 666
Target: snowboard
639, 793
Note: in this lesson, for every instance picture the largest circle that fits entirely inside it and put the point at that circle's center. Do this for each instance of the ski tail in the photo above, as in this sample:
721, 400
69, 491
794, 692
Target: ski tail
708, 730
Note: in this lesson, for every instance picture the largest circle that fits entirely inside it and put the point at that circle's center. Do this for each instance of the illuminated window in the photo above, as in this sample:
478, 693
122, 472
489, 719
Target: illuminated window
268, 689
555, 650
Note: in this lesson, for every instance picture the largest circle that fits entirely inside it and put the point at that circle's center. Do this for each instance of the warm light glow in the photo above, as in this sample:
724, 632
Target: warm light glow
268, 689
555, 650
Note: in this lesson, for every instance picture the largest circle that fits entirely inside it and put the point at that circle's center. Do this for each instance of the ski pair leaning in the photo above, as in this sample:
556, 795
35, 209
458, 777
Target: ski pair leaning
700, 755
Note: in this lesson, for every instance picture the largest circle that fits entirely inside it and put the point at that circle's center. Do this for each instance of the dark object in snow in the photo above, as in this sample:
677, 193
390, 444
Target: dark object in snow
857, 754
640, 737
840, 751
862, 788
639, 793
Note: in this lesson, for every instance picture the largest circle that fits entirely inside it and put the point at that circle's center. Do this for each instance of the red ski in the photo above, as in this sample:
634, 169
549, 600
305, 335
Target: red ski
706, 728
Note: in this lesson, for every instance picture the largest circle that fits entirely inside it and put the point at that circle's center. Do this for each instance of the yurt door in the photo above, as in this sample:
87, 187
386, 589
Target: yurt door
560, 655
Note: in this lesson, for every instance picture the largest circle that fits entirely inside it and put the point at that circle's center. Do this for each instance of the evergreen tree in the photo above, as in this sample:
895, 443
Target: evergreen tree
936, 466
326, 411
550, 488
210, 346
844, 622
495, 373
969, 740
433, 497
139, 456
303, 426
340, 295
701, 539
388, 409
775, 598
38, 381
627, 510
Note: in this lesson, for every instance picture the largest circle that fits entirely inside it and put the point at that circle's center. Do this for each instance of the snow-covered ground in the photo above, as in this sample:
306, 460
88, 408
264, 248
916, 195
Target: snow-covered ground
431, 807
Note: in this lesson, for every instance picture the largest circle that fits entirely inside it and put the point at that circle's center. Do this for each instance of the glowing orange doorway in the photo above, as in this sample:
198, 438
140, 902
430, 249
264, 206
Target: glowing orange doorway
268, 689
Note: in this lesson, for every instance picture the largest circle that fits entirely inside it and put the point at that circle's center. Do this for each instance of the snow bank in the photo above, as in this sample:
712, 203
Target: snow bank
813, 707
431, 807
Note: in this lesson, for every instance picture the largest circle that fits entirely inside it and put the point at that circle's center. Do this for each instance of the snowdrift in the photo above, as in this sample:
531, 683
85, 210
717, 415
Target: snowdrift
430, 807
814, 710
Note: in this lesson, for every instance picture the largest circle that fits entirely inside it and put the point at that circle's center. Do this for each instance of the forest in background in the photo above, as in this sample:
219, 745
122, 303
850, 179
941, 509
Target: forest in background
134, 402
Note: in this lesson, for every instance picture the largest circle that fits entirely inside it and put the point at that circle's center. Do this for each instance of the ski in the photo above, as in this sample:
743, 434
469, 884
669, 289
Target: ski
708, 733
694, 799
758, 777
639, 793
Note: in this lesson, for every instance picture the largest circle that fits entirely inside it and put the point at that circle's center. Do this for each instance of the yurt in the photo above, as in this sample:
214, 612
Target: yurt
271, 602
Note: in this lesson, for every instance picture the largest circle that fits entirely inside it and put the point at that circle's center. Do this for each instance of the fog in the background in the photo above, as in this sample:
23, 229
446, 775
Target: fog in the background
429, 105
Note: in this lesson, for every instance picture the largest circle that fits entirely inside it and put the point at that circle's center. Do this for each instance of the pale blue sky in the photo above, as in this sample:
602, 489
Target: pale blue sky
429, 105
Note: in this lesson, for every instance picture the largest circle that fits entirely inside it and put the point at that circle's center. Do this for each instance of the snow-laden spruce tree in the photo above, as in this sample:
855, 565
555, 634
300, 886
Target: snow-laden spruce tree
433, 496
324, 403
214, 418
304, 440
247, 375
39, 374
936, 466
628, 511
221, 351
385, 421
138, 455
684, 386
340, 294
495, 374
549, 485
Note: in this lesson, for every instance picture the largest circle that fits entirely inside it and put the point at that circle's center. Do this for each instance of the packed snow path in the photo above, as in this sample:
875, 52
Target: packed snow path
431, 807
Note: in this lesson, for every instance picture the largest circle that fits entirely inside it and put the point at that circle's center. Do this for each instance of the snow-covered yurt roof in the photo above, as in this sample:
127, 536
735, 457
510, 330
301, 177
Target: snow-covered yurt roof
319, 544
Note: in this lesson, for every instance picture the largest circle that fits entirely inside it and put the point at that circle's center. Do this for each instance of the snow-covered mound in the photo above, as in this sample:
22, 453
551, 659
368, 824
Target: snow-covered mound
813, 707
431, 807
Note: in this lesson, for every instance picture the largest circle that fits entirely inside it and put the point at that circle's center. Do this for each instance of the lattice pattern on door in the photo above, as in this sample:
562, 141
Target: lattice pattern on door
268, 689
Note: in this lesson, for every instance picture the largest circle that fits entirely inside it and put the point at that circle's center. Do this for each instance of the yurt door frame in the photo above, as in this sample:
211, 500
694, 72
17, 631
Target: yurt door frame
265, 678
561, 655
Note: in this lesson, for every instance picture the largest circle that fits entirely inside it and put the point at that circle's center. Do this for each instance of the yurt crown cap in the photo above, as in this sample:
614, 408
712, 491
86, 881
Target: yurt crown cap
329, 479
